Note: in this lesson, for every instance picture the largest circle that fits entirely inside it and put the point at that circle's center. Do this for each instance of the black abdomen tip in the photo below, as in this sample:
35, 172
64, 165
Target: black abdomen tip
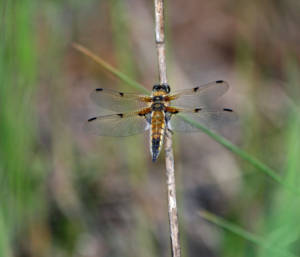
155, 148
154, 158
219, 81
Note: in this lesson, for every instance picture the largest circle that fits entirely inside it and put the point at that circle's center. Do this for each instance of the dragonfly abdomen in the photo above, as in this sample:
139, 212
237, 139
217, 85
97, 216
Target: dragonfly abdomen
157, 133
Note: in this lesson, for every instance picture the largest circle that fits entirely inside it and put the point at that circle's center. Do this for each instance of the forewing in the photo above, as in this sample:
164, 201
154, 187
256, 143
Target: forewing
199, 96
126, 124
118, 101
212, 119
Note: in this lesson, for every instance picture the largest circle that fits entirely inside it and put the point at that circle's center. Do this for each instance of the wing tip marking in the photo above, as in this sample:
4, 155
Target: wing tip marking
220, 81
227, 110
99, 89
91, 119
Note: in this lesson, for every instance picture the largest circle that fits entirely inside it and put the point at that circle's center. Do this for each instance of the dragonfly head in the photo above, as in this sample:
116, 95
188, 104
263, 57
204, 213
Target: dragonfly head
161, 87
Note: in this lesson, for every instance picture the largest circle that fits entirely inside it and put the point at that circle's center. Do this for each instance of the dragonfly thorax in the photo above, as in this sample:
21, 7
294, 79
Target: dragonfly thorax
157, 98
158, 107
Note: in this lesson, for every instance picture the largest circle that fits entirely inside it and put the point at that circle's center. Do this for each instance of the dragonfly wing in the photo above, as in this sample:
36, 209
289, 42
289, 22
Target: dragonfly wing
118, 101
199, 96
122, 124
211, 119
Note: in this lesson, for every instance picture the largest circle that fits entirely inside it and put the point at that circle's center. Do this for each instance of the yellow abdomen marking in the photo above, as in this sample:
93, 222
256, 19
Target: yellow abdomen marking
157, 133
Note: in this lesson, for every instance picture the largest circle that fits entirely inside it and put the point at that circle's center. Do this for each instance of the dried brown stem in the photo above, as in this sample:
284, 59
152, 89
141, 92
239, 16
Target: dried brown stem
172, 205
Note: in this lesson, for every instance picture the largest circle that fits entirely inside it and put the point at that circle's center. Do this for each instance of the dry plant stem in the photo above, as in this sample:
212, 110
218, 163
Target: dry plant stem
172, 206
160, 40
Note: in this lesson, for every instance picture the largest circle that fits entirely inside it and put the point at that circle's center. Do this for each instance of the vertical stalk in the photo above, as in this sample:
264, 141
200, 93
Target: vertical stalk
171, 189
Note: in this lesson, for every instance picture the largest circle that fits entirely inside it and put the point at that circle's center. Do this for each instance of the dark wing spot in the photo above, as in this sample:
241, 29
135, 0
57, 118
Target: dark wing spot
141, 114
120, 115
197, 109
91, 119
121, 94
195, 89
99, 89
220, 81
227, 110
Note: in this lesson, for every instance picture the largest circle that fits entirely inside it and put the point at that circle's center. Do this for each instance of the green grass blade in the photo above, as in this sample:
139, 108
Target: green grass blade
111, 69
281, 218
242, 154
243, 233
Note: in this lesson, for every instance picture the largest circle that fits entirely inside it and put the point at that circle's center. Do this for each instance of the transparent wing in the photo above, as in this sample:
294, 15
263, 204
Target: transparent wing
122, 124
118, 101
211, 119
199, 96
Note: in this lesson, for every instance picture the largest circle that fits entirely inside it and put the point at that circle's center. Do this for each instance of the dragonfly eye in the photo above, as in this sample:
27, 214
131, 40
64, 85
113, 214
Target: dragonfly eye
164, 87
168, 89
156, 88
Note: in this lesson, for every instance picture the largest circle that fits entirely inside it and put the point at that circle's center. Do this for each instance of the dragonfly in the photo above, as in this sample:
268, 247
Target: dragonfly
158, 112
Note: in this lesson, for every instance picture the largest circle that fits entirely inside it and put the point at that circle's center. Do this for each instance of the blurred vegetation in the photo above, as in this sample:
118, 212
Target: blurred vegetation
65, 193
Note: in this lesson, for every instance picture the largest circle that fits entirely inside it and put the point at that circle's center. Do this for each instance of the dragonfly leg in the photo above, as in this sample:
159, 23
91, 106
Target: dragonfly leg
171, 131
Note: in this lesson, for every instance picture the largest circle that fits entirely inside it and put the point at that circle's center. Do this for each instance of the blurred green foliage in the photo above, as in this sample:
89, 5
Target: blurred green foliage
64, 193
